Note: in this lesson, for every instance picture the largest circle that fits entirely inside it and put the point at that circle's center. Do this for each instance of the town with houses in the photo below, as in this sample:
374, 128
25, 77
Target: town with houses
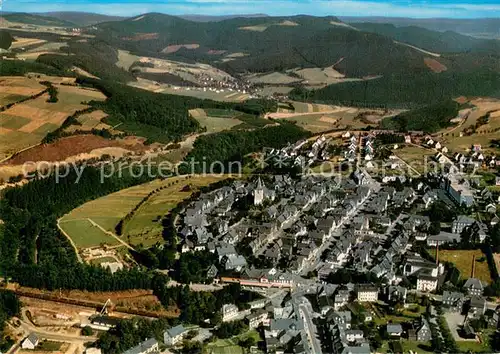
348, 262
334, 257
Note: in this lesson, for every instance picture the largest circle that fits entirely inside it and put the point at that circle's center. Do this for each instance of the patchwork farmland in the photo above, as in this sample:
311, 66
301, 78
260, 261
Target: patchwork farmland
145, 225
319, 118
216, 120
25, 124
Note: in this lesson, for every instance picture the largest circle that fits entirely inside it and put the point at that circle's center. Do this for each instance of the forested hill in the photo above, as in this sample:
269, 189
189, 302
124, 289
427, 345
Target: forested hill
279, 43
407, 89
439, 42
157, 116
32, 19
270, 43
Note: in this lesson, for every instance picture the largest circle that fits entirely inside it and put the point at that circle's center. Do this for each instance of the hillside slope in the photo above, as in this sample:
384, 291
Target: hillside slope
82, 18
271, 43
32, 19
440, 42
477, 27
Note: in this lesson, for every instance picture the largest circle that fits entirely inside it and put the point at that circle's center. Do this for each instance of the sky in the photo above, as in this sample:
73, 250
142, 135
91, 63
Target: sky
391, 8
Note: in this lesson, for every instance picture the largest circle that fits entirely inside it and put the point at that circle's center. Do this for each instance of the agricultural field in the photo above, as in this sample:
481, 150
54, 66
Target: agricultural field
319, 118
40, 48
462, 259
316, 123
125, 59
216, 120
214, 124
27, 123
483, 134
225, 96
320, 77
202, 93
274, 78
302, 107
415, 156
144, 227
187, 71
16, 88
85, 234
271, 90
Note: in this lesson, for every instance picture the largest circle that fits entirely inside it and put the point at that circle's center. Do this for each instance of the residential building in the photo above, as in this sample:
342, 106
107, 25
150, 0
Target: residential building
30, 342
229, 312
426, 283
453, 301
458, 189
174, 335
148, 346
353, 335
257, 318
367, 293
394, 330
423, 331
477, 306
460, 223
474, 287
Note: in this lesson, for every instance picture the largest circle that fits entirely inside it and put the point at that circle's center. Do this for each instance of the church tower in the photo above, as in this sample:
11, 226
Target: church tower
258, 193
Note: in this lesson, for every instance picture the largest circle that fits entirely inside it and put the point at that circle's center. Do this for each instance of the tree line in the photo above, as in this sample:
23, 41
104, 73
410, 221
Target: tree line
10, 306
51, 90
218, 150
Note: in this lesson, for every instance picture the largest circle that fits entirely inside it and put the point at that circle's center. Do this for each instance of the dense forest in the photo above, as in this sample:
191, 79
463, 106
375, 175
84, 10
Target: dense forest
218, 150
29, 214
94, 56
429, 119
439, 42
310, 42
160, 117
407, 90
6, 39
17, 67
9, 307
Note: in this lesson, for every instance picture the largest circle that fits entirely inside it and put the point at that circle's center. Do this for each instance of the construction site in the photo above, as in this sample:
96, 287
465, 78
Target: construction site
63, 321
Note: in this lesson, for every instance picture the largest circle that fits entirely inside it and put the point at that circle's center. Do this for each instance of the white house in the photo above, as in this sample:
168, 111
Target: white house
174, 335
367, 293
229, 312
426, 283
30, 342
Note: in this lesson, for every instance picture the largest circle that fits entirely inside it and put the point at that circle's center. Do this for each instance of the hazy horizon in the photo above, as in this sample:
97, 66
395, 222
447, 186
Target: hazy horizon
455, 9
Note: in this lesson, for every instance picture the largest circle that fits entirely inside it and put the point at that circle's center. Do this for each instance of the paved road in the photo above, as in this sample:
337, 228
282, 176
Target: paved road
311, 265
310, 327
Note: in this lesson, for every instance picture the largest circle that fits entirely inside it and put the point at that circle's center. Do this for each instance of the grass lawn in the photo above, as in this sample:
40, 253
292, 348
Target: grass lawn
416, 347
462, 259
230, 346
49, 346
415, 156
475, 347
145, 226
98, 261
460, 144
84, 234
224, 346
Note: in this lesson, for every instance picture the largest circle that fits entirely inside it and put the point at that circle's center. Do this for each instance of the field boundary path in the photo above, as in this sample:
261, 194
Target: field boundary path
111, 234
70, 240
